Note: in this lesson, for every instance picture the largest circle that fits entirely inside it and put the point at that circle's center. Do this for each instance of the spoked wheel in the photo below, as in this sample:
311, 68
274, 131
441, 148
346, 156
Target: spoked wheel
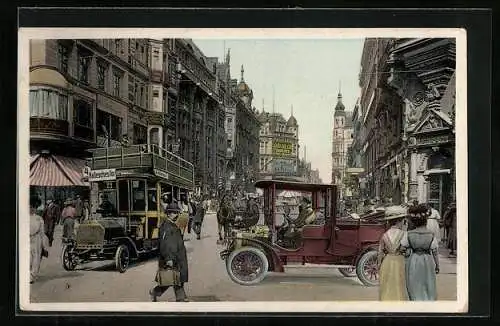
68, 258
122, 258
367, 268
348, 271
247, 266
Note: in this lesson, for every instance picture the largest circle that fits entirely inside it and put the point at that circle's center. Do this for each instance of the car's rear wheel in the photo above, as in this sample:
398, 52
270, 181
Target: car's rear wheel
247, 265
367, 268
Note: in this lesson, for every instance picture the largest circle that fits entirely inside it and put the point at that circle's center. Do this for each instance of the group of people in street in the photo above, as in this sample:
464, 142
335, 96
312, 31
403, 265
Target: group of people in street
408, 254
43, 221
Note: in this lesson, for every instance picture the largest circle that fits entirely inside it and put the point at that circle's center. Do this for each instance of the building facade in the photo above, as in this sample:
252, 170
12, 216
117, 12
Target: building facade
279, 145
245, 162
423, 75
342, 137
406, 120
105, 92
84, 94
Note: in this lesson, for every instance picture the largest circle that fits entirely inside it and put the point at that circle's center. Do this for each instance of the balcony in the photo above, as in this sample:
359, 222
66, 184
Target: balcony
49, 126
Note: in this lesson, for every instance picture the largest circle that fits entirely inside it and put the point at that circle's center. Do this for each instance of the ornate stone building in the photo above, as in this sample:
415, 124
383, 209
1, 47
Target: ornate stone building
381, 125
423, 75
245, 162
341, 140
406, 120
279, 145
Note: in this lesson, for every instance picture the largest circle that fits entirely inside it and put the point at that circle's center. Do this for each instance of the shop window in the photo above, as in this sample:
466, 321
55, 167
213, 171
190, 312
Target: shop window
123, 198
152, 196
108, 125
45, 103
138, 192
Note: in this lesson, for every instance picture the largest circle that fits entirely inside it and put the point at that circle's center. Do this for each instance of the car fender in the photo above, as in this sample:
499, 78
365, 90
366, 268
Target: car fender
130, 244
275, 264
366, 246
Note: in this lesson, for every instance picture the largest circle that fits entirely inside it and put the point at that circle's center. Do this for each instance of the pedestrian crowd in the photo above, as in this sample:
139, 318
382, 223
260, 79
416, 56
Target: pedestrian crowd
408, 255
43, 221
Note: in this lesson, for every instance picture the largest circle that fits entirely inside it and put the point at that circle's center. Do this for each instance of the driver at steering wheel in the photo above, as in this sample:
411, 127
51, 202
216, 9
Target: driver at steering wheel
294, 226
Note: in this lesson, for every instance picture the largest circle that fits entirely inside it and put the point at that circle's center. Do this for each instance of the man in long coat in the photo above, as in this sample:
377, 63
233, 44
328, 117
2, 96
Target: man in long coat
199, 216
51, 215
172, 255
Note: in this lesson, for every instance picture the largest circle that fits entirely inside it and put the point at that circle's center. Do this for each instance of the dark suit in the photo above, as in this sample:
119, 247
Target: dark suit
172, 248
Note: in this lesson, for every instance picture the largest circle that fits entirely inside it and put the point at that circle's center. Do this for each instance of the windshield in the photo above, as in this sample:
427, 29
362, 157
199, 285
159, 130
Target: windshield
107, 198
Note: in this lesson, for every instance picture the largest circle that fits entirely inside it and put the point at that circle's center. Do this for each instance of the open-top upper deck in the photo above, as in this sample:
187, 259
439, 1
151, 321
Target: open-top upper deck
150, 159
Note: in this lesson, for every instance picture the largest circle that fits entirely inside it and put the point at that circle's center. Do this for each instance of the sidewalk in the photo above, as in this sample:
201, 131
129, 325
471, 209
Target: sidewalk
448, 265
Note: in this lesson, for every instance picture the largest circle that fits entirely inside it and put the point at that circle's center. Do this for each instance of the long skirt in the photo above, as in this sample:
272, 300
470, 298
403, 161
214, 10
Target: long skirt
421, 277
392, 279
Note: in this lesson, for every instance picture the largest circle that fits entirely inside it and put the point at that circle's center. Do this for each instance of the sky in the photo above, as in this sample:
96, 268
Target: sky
305, 74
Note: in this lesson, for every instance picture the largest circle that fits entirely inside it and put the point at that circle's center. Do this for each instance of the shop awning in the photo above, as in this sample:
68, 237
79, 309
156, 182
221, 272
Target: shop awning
56, 171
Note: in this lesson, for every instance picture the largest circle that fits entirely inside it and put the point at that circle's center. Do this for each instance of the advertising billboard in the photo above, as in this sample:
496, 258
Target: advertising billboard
282, 148
284, 167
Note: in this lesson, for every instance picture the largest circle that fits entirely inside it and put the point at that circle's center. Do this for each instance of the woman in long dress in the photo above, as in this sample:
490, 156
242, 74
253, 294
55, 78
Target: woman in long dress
422, 264
390, 258
39, 242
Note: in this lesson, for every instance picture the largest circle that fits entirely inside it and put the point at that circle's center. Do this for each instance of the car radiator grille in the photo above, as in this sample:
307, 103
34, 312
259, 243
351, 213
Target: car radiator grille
90, 236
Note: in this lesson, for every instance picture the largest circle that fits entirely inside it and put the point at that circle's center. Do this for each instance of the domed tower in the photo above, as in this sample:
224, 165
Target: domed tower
338, 159
291, 125
244, 91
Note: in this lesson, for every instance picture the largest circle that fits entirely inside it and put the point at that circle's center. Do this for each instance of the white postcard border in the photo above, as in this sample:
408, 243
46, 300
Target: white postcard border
460, 305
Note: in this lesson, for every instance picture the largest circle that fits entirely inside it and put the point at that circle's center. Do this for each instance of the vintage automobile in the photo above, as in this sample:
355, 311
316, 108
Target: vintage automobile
127, 184
351, 245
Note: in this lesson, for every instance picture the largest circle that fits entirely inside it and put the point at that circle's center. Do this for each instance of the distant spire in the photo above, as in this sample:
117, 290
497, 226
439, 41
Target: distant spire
262, 104
228, 56
242, 73
340, 90
292, 111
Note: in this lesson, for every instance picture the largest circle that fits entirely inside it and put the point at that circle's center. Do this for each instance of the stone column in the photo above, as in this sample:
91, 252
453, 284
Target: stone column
413, 184
422, 181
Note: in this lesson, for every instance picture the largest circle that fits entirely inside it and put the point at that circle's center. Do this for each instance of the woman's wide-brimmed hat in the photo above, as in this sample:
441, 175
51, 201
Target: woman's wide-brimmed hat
68, 202
395, 212
420, 212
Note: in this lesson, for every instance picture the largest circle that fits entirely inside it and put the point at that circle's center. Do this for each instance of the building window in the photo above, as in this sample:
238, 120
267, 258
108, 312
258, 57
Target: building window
84, 59
48, 104
118, 46
108, 125
63, 52
82, 113
117, 83
83, 119
101, 75
140, 134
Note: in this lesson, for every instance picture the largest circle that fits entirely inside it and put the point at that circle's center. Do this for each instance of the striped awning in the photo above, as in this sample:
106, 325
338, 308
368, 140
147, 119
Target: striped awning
56, 171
